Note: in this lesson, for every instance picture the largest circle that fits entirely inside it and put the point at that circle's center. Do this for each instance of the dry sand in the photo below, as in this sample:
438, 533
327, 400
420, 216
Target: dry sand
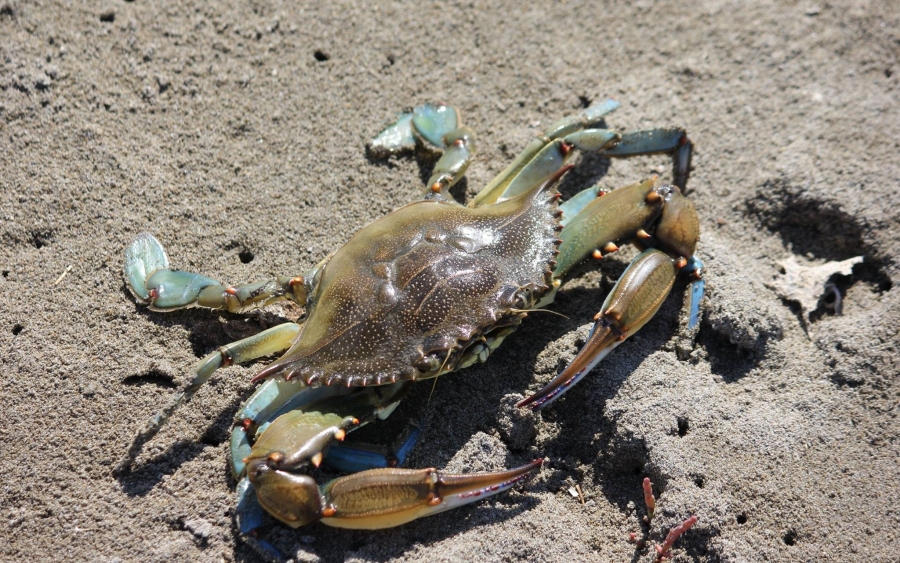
235, 133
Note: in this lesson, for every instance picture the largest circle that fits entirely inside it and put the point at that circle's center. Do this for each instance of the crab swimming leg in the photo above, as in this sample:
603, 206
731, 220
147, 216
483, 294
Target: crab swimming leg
600, 227
149, 278
437, 127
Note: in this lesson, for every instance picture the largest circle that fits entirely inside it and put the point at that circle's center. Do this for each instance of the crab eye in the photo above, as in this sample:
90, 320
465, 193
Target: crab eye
275, 459
428, 364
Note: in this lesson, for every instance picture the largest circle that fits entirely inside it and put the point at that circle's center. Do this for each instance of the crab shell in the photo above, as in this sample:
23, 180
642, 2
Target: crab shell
428, 289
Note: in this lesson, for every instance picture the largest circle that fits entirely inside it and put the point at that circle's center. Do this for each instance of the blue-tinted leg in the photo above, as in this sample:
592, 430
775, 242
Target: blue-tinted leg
250, 516
353, 458
698, 286
573, 206
401, 452
671, 140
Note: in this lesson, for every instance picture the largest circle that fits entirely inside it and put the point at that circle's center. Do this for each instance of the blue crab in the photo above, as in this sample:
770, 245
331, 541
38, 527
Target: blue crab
431, 288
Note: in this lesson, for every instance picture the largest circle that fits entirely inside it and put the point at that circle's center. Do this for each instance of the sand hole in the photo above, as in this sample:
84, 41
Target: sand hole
682, 426
152, 377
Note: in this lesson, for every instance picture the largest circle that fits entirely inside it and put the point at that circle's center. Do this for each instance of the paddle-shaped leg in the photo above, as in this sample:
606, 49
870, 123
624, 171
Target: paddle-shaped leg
149, 278
437, 127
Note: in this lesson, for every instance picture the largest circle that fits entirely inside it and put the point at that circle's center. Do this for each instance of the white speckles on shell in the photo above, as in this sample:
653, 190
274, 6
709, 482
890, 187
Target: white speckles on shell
387, 293
434, 235
430, 280
381, 270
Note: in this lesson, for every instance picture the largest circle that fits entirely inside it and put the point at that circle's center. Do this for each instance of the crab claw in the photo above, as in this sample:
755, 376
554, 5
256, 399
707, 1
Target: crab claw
377, 498
632, 302
382, 498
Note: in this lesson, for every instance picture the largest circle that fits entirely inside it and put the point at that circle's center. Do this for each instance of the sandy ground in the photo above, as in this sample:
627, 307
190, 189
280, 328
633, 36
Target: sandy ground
236, 134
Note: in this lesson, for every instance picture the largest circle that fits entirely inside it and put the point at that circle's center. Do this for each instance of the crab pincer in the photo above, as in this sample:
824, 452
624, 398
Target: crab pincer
645, 284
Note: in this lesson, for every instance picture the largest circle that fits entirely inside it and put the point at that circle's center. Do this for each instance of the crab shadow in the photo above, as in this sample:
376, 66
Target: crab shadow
468, 402
206, 331
140, 479
589, 445
456, 408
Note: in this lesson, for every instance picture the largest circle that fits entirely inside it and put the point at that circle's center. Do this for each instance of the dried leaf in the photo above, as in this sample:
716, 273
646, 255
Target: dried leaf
806, 284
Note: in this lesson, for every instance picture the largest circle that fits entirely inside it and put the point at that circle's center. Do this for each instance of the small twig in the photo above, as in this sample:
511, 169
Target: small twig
62, 275
662, 551
649, 499
576, 493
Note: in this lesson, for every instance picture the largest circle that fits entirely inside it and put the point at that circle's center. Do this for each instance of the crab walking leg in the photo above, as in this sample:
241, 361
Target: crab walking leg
671, 140
453, 163
149, 278
694, 267
353, 458
633, 301
270, 341
550, 150
584, 119
554, 156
